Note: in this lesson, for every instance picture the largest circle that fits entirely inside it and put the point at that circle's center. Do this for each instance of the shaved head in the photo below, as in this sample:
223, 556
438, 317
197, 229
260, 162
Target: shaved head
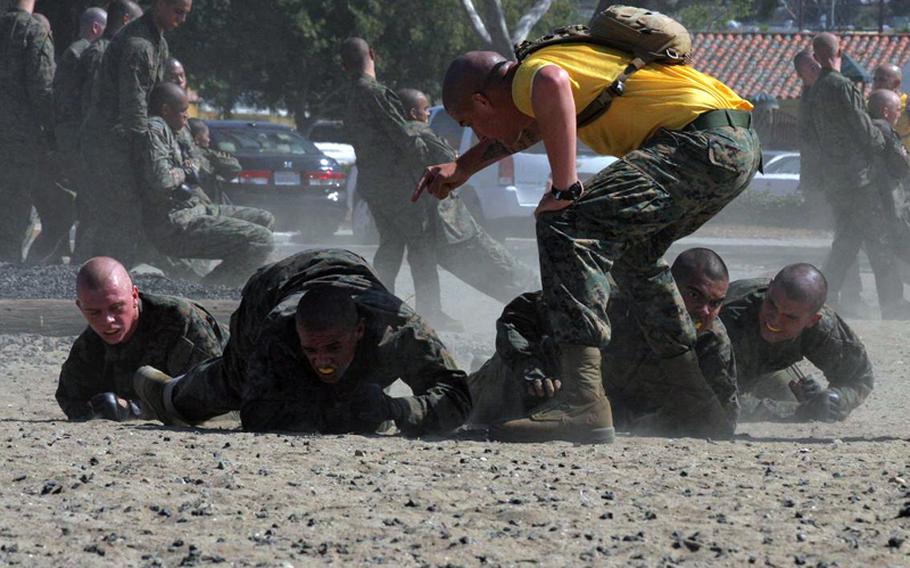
886, 76
806, 67
92, 22
166, 94
197, 126
355, 54
326, 308
802, 283
468, 74
102, 272
411, 98
175, 73
699, 263
884, 103
826, 48
120, 13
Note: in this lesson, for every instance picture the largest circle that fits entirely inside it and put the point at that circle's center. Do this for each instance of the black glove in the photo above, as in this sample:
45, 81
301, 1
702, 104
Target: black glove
824, 406
805, 388
372, 407
105, 405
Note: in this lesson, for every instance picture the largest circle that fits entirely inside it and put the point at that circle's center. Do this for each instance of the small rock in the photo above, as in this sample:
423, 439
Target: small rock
51, 487
895, 542
359, 453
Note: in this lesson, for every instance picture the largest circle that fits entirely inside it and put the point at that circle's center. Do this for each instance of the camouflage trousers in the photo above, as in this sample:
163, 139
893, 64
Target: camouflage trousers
860, 222
240, 237
24, 183
206, 391
631, 213
770, 399
110, 211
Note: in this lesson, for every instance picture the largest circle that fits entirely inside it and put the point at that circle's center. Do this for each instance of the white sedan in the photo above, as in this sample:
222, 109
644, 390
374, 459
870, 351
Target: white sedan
781, 175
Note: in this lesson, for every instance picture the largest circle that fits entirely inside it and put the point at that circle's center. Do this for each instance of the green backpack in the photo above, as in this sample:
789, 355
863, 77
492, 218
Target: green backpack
650, 37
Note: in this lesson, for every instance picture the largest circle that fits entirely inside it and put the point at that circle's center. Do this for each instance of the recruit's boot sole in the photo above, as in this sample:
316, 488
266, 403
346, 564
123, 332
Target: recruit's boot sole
591, 423
150, 384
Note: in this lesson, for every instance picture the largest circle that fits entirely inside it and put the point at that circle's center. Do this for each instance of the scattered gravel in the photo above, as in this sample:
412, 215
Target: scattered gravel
59, 281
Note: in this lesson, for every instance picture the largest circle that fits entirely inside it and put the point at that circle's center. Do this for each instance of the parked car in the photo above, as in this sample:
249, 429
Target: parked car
503, 196
284, 173
328, 136
781, 175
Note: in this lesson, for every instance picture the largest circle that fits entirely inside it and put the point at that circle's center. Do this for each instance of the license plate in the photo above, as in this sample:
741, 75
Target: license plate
287, 178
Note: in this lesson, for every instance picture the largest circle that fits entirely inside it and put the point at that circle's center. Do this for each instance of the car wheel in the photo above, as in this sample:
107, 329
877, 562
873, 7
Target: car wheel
362, 225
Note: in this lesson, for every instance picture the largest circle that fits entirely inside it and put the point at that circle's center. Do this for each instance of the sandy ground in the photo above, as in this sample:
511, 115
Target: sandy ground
137, 494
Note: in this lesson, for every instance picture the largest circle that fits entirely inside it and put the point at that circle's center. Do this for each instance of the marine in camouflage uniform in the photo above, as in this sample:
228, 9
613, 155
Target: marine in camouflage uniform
115, 137
173, 334
890, 168
463, 247
265, 374
26, 124
182, 224
389, 162
526, 349
849, 142
765, 369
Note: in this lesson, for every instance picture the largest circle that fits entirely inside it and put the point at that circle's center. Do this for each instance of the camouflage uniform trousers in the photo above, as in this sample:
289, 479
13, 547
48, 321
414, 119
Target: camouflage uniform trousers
629, 216
110, 208
240, 236
770, 398
56, 206
860, 222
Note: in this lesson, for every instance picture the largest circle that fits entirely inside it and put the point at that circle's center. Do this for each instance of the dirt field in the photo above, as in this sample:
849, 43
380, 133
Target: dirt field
137, 494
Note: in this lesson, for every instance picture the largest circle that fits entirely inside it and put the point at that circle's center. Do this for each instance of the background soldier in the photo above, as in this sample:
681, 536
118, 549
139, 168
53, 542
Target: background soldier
389, 158
127, 329
26, 121
115, 132
774, 326
888, 76
462, 246
849, 142
315, 340
181, 224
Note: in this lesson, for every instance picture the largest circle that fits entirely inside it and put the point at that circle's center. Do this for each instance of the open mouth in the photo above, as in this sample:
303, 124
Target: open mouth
773, 329
698, 326
327, 371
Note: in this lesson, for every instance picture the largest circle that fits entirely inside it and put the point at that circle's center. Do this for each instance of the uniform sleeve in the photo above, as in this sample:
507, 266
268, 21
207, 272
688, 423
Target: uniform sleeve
838, 353
851, 108
896, 158
715, 357
81, 378
521, 335
135, 82
441, 401
202, 339
160, 175
40, 69
88, 66
222, 164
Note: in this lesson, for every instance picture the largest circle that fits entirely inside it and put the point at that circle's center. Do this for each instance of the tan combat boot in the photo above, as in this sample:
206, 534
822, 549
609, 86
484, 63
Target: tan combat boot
580, 411
154, 390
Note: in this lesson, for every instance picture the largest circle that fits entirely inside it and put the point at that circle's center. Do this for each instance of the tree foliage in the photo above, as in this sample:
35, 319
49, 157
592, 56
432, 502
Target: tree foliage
283, 53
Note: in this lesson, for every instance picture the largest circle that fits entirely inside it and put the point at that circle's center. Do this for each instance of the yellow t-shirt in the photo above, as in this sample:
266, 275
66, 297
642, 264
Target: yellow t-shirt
658, 96
903, 123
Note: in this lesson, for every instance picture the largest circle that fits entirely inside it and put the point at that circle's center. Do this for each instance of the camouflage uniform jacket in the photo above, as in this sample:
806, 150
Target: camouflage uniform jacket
26, 84
830, 345
844, 132
212, 165
163, 176
173, 335
68, 84
133, 64
280, 391
89, 64
810, 159
631, 371
454, 223
389, 158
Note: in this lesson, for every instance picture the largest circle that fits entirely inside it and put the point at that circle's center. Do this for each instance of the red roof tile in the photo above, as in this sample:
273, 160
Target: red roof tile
752, 63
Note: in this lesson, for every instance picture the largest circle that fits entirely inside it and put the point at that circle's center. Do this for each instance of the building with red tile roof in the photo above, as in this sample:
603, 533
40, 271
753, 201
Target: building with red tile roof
752, 63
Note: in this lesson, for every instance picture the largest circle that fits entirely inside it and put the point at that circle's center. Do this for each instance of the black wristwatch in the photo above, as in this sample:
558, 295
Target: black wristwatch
570, 193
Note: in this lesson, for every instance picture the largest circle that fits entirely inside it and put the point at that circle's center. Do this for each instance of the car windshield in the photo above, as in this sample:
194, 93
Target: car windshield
261, 141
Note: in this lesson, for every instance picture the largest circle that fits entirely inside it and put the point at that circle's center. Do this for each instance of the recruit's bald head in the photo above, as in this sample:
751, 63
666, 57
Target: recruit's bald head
100, 273
697, 263
884, 103
120, 13
355, 54
886, 76
806, 67
326, 308
826, 48
92, 22
415, 104
166, 94
175, 73
468, 74
197, 126
802, 283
